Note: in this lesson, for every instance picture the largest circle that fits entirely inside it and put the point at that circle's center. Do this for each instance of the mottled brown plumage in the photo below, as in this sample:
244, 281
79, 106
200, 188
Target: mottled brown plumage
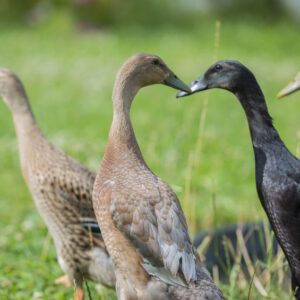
62, 190
141, 219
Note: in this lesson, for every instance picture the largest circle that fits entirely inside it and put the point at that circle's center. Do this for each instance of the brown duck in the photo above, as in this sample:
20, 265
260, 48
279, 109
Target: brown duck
62, 190
141, 219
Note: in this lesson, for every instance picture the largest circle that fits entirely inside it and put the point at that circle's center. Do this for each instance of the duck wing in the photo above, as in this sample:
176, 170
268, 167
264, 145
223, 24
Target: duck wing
69, 191
150, 216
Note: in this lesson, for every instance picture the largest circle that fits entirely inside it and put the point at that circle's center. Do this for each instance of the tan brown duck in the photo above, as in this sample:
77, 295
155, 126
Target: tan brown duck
140, 217
292, 87
62, 190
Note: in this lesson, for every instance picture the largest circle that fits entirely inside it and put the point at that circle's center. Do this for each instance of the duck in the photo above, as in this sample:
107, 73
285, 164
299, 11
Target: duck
62, 191
292, 87
141, 219
277, 170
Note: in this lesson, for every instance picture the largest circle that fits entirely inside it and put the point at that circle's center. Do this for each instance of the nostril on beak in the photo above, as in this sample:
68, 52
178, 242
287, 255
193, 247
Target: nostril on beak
195, 82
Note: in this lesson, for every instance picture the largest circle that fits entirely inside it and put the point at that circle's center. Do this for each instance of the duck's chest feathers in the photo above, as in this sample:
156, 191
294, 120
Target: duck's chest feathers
270, 184
272, 178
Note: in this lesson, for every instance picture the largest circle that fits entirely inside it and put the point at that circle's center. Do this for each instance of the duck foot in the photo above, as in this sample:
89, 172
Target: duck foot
64, 280
79, 294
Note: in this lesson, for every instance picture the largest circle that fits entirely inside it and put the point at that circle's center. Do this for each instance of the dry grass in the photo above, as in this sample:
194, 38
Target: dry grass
259, 280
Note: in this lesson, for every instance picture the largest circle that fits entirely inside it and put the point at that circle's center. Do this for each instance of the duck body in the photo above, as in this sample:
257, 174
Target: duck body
277, 170
278, 182
62, 190
278, 187
146, 237
141, 219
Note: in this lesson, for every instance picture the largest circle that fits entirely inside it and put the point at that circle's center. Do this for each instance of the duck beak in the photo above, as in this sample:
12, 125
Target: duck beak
293, 86
173, 81
196, 86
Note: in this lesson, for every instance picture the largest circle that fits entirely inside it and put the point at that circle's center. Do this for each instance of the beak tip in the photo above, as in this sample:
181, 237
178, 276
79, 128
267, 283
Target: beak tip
181, 94
281, 94
292, 87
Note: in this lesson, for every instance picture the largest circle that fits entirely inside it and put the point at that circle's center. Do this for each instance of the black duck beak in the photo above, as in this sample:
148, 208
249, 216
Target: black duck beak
292, 87
173, 81
196, 86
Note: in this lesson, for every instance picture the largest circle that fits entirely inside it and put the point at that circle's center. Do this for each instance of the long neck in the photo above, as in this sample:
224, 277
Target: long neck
122, 141
260, 122
24, 121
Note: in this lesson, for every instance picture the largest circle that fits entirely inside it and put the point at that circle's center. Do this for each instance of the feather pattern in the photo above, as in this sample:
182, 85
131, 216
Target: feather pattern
62, 190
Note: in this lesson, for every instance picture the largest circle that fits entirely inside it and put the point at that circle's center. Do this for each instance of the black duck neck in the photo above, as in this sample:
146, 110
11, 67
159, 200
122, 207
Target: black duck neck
259, 120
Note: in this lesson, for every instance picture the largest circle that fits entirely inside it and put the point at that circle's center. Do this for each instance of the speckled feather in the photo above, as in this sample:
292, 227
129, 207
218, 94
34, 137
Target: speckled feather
62, 190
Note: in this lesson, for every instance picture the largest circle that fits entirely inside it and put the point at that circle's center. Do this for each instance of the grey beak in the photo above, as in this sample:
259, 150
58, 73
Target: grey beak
173, 81
196, 86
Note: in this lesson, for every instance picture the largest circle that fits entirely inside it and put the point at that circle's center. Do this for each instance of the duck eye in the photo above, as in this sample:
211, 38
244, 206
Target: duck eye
155, 61
218, 67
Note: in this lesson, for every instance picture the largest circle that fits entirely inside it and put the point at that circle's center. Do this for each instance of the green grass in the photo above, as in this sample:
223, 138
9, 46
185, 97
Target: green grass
69, 79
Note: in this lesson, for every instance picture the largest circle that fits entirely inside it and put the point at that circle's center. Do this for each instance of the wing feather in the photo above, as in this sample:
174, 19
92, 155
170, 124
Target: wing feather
151, 217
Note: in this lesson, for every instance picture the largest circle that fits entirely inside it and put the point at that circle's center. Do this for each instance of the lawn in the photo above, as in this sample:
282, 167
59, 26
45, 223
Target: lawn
69, 78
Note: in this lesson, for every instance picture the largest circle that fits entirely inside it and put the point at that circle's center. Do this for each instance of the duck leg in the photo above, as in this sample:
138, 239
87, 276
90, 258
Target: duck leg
64, 280
79, 294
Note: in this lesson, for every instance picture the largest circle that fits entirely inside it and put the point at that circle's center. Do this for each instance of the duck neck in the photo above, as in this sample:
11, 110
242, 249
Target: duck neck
260, 122
122, 140
23, 117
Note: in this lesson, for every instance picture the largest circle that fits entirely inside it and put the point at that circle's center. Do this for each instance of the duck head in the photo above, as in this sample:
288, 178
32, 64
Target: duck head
292, 87
230, 75
12, 91
143, 69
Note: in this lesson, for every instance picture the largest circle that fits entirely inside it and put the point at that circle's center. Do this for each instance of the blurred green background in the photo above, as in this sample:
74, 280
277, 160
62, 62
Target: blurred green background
67, 54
